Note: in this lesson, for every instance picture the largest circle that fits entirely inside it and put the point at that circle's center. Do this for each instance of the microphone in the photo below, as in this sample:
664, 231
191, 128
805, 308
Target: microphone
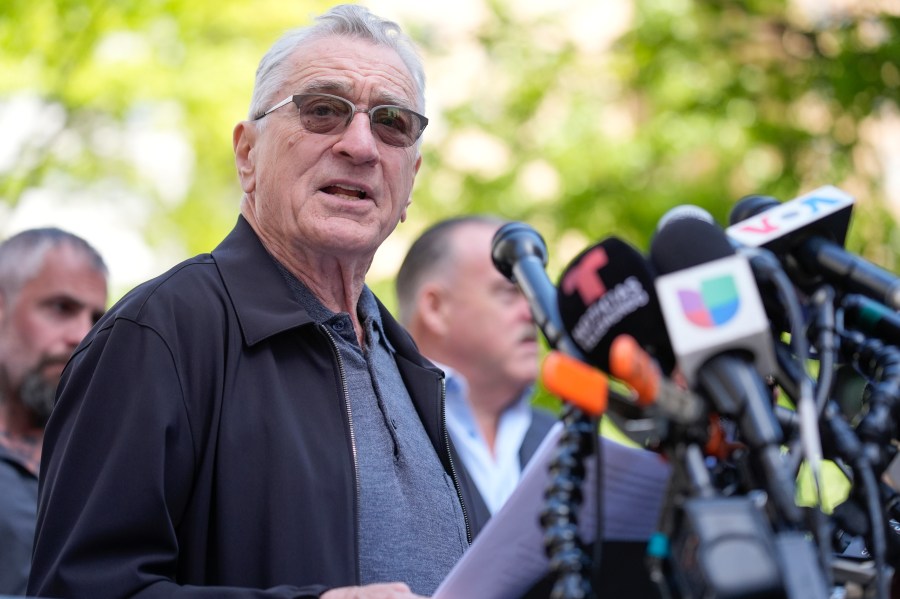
579, 384
709, 298
683, 211
588, 388
606, 291
520, 254
632, 365
808, 232
871, 318
721, 338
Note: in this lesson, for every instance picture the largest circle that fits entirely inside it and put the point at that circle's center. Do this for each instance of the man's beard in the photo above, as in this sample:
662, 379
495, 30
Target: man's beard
38, 395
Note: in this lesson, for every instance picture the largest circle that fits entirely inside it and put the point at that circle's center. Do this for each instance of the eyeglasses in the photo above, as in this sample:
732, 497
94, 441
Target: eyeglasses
326, 114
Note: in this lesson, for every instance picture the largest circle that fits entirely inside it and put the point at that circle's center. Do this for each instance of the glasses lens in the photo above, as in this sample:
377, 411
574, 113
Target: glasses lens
322, 114
396, 126
327, 114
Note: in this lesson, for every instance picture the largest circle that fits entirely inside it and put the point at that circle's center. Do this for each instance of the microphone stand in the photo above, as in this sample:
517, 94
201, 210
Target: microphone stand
559, 518
520, 254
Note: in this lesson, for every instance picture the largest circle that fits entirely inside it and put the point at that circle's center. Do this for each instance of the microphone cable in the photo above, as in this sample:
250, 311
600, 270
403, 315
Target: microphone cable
881, 364
766, 264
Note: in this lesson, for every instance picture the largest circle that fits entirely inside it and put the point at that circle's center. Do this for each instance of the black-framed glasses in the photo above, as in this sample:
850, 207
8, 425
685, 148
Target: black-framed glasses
327, 114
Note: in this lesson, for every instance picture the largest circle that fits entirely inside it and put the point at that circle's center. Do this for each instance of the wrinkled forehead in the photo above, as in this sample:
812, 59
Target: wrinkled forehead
356, 69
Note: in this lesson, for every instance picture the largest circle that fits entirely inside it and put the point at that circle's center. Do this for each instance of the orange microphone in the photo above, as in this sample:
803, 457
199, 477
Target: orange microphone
572, 380
629, 363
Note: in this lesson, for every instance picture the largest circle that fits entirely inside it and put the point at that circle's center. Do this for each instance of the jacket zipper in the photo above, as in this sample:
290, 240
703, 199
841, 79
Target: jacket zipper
341, 371
462, 504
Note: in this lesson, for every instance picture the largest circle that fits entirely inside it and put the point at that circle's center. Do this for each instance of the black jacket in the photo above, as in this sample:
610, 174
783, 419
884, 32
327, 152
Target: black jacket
201, 439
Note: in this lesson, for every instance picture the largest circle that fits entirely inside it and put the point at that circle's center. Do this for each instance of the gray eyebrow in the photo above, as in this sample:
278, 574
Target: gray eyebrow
343, 89
326, 86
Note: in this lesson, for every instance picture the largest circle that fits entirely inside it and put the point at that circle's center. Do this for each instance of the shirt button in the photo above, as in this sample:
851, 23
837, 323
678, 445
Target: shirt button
338, 326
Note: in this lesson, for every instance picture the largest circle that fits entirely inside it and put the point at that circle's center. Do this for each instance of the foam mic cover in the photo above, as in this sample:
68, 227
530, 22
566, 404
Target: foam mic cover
750, 205
607, 290
684, 211
514, 242
687, 242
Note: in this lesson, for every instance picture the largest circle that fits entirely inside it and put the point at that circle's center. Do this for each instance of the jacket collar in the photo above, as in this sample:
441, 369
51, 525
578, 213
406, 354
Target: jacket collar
264, 304
262, 301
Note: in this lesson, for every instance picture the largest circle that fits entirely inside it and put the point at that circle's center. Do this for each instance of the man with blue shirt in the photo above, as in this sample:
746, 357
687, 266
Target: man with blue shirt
476, 325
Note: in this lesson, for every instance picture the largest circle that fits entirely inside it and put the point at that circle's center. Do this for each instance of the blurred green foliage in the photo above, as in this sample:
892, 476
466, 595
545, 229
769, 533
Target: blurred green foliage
692, 101
698, 102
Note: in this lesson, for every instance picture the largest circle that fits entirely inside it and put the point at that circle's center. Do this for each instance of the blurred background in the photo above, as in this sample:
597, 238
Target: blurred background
583, 118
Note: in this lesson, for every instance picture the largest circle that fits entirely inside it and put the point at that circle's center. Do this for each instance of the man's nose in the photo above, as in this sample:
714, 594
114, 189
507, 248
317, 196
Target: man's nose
523, 309
358, 140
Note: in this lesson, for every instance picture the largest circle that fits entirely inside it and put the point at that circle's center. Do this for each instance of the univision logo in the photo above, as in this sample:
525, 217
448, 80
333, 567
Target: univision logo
715, 304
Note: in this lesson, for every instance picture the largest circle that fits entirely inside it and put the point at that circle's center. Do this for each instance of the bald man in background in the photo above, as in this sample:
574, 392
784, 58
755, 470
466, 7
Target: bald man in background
477, 326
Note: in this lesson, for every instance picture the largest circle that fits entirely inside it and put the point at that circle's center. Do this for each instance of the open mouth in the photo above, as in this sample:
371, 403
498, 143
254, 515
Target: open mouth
349, 192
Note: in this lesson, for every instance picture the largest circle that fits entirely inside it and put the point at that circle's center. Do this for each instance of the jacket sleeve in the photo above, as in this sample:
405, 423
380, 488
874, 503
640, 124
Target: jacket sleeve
119, 466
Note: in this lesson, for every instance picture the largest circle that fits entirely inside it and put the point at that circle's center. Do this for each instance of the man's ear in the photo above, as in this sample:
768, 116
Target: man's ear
244, 143
433, 309
409, 199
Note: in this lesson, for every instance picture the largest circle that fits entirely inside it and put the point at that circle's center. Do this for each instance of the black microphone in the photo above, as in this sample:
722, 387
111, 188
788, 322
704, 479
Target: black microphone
609, 309
765, 265
683, 211
607, 291
749, 206
871, 318
520, 254
708, 296
808, 232
721, 338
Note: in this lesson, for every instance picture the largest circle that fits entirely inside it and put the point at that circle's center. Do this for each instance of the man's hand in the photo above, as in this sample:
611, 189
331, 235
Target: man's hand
387, 590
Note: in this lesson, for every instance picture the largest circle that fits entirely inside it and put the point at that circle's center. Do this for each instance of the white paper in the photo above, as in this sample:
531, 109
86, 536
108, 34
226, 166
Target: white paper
508, 557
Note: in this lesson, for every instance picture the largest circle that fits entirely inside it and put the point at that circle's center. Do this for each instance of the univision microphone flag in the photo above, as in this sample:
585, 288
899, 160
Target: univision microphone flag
711, 308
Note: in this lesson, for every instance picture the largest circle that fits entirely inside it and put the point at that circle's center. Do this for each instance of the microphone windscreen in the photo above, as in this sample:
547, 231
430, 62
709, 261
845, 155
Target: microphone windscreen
683, 211
749, 206
606, 291
513, 242
688, 242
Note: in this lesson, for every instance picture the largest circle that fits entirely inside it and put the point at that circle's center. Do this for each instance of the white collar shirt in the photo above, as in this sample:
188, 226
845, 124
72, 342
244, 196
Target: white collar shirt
495, 475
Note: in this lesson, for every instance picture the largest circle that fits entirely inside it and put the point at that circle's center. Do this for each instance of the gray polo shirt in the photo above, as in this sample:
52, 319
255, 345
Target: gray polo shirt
411, 523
